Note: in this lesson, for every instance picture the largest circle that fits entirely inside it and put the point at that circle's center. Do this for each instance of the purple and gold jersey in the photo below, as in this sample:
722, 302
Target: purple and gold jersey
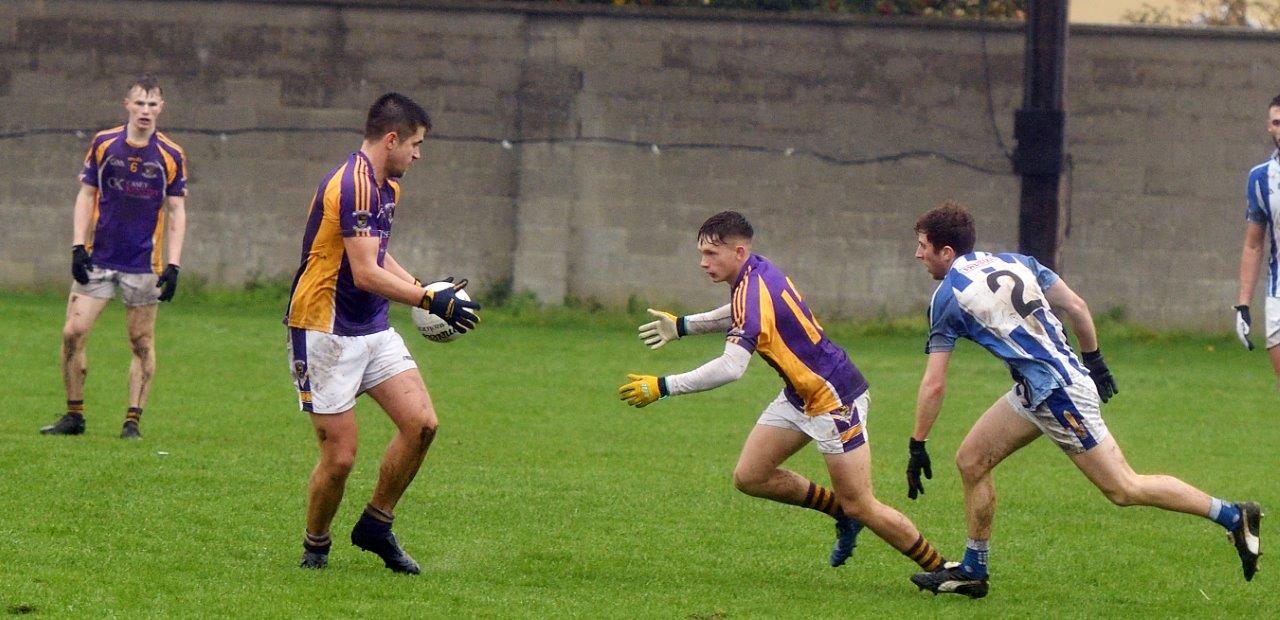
348, 203
127, 226
770, 317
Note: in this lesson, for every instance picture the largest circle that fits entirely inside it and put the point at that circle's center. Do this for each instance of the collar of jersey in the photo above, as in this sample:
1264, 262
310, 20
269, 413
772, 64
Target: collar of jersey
750, 264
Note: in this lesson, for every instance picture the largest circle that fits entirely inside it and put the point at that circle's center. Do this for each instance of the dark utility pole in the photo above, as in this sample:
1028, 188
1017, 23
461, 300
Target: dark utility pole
1038, 127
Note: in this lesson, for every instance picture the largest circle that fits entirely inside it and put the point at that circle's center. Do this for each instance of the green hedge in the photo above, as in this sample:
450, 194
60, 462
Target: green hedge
1001, 9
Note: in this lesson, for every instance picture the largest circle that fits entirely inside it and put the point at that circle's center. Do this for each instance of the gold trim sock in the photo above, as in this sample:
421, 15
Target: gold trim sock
925, 555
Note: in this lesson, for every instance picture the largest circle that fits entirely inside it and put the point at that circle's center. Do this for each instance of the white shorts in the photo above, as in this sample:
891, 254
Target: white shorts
136, 289
330, 371
1070, 416
835, 432
1271, 308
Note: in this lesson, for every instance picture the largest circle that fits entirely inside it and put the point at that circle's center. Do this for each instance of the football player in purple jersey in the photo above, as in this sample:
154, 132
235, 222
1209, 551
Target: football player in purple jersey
132, 199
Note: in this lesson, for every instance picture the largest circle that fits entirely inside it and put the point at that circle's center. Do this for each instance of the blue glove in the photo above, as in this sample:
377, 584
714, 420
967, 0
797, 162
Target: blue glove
445, 303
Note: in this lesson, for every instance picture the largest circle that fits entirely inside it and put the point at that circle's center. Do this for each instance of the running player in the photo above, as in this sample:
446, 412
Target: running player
1262, 216
132, 196
1002, 302
825, 399
340, 343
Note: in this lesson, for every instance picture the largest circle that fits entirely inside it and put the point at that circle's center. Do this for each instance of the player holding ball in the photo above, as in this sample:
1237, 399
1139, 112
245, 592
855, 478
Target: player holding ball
340, 342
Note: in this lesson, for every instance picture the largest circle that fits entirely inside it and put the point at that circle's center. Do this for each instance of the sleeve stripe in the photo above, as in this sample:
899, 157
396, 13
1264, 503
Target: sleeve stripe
102, 148
739, 304
170, 167
362, 185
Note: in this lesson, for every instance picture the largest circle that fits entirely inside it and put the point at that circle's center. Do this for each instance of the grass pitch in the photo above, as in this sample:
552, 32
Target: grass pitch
544, 496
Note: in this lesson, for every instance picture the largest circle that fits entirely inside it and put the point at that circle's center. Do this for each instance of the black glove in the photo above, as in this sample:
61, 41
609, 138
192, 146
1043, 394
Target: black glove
1100, 374
81, 263
446, 304
1243, 323
918, 462
168, 282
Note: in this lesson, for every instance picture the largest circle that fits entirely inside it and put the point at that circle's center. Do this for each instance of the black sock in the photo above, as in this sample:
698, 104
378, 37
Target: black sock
378, 514
316, 543
75, 408
133, 415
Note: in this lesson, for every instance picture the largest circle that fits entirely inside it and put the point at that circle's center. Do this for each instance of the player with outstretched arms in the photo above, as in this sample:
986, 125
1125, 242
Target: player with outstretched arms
825, 399
1009, 304
133, 192
340, 343
1262, 220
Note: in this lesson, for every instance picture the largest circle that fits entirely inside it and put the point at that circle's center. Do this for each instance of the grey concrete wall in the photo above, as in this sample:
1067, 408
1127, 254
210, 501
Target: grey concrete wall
1163, 126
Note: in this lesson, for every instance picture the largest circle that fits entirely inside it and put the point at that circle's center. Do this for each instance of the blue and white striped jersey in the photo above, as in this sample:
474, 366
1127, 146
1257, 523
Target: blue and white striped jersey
998, 301
1264, 209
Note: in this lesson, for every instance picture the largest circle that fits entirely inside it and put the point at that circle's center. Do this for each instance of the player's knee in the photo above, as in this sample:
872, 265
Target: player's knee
748, 481
339, 464
971, 464
860, 507
1122, 493
73, 335
426, 432
142, 344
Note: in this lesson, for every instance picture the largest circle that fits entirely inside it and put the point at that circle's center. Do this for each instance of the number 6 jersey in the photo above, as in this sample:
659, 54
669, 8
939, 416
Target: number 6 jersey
998, 301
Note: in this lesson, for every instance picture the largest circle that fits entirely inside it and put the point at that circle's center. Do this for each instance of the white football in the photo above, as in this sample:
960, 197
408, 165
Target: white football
432, 327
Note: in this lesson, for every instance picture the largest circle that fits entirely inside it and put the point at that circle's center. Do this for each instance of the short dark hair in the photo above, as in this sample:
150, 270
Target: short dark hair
724, 226
948, 225
1275, 102
146, 82
395, 112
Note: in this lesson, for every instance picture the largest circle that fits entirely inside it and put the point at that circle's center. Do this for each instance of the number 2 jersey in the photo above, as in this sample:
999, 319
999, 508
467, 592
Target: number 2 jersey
769, 317
998, 301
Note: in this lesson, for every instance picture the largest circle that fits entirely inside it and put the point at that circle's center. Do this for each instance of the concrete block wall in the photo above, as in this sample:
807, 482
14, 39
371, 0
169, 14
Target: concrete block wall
1162, 128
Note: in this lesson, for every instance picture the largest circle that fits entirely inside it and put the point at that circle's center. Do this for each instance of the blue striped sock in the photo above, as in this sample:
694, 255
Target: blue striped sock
1225, 514
975, 559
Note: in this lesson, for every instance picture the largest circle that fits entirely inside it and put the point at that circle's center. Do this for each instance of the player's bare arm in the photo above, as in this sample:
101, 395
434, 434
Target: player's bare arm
176, 226
362, 254
1066, 302
83, 214
392, 265
931, 393
928, 404
1250, 261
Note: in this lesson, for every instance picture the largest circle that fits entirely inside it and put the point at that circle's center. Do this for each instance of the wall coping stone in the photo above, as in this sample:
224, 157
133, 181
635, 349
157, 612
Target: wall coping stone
749, 16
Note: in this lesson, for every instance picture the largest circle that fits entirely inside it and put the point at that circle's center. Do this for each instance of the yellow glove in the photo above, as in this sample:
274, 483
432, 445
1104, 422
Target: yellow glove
661, 331
642, 390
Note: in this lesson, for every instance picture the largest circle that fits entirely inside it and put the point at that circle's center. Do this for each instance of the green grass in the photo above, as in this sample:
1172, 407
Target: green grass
544, 496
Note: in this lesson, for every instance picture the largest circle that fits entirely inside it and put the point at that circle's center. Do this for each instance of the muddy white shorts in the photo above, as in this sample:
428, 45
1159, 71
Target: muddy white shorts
1069, 416
330, 371
136, 289
834, 432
